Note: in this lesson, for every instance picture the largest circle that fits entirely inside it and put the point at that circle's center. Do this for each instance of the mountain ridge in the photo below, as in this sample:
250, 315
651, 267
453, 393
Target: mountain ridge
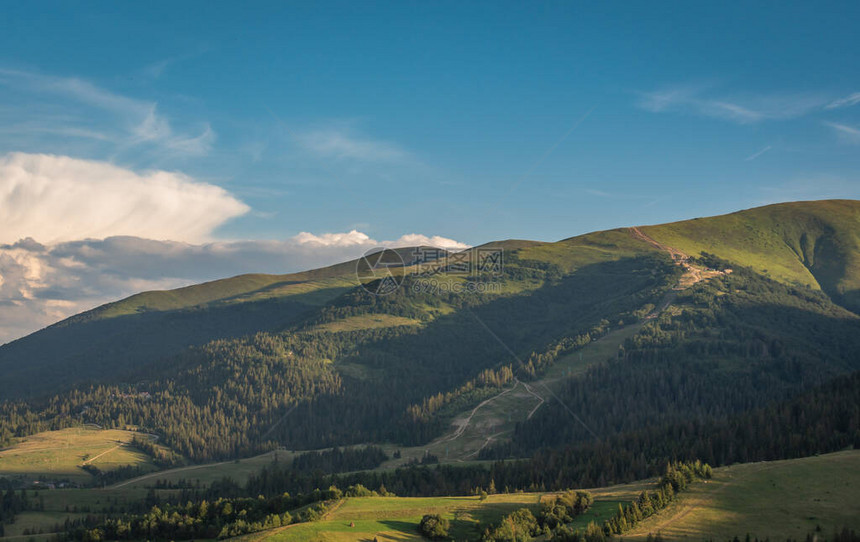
244, 284
805, 244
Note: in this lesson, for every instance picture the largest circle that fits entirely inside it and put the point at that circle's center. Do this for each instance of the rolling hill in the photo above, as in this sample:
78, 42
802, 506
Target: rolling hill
238, 366
814, 244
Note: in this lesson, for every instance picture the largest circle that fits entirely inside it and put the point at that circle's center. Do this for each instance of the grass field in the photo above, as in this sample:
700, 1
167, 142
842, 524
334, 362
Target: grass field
367, 321
60, 454
778, 499
397, 518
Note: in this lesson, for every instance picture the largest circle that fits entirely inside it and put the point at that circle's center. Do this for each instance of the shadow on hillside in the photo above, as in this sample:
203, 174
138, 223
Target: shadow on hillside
61, 356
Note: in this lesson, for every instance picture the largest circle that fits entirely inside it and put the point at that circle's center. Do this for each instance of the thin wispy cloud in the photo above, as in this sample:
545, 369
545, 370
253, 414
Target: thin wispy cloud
746, 108
157, 69
848, 101
342, 144
755, 155
847, 133
730, 111
53, 129
128, 121
194, 146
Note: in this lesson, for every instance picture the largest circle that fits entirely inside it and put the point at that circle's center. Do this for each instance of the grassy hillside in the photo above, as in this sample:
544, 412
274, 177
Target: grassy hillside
778, 499
814, 243
117, 338
57, 455
235, 289
578, 252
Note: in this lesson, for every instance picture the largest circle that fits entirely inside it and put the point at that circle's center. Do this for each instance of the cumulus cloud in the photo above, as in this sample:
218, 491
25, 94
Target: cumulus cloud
414, 239
356, 238
58, 198
41, 284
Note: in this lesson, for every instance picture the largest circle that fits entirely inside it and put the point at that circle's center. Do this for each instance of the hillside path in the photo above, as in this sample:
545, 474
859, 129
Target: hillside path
90, 460
693, 273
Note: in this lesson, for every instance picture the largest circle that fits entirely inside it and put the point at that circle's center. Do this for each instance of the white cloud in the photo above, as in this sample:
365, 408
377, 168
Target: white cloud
848, 101
348, 239
41, 284
741, 109
356, 238
58, 198
139, 120
341, 144
848, 133
414, 240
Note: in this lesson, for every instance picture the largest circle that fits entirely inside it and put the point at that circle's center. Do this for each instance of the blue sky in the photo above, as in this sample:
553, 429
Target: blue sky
472, 121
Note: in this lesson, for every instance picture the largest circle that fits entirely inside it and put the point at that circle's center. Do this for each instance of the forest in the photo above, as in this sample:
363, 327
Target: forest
304, 388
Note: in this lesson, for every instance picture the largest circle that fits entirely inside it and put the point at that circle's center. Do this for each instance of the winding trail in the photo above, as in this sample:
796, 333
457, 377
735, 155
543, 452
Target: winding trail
676, 254
541, 400
692, 274
462, 428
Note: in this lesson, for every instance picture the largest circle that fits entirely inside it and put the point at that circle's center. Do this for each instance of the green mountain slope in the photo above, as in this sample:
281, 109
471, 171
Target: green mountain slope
115, 339
235, 367
121, 340
813, 243
113, 342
